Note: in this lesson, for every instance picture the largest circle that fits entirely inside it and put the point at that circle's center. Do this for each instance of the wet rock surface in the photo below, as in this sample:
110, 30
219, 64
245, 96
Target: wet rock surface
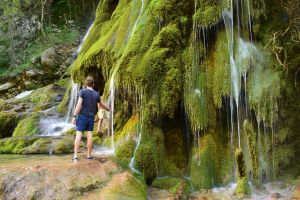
49, 177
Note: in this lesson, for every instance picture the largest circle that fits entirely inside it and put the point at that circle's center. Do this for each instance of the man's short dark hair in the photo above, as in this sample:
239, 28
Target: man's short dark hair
89, 81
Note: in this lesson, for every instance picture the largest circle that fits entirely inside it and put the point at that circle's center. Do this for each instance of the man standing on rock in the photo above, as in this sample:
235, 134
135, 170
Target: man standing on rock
84, 115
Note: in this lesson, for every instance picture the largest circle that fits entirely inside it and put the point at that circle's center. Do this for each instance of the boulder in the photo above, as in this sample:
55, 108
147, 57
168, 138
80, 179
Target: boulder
50, 59
6, 86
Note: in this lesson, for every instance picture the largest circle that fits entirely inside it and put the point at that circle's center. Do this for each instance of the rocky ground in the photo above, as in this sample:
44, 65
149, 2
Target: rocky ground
57, 177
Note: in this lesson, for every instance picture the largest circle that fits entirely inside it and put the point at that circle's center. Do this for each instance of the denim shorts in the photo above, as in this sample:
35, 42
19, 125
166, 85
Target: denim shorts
84, 123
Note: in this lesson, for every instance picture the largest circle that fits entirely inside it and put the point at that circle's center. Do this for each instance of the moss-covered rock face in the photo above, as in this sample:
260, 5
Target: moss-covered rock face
28, 126
159, 59
8, 121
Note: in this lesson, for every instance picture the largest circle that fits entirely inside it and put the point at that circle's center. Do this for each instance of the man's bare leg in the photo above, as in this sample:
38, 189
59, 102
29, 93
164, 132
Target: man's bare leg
89, 143
99, 125
77, 143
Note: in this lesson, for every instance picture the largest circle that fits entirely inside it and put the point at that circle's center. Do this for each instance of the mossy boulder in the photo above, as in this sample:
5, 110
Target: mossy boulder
47, 97
36, 145
14, 145
64, 145
8, 121
40, 146
146, 161
124, 151
29, 126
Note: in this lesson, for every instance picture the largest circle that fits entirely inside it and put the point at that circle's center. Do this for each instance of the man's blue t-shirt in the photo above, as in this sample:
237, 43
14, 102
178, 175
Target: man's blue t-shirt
90, 100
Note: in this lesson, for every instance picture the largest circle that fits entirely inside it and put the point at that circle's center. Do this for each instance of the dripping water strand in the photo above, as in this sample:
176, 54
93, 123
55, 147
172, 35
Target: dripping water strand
138, 18
138, 133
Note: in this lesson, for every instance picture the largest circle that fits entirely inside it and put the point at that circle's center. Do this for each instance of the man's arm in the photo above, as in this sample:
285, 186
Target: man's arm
101, 105
77, 109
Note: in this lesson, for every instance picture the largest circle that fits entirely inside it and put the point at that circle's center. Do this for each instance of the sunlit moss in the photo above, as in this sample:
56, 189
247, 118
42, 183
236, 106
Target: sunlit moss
28, 126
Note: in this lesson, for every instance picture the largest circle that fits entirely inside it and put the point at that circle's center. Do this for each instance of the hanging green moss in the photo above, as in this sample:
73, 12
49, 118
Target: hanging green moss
251, 139
264, 91
242, 189
171, 88
221, 70
209, 13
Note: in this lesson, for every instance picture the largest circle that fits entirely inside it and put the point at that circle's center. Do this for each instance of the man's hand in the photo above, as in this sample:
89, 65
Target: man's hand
74, 120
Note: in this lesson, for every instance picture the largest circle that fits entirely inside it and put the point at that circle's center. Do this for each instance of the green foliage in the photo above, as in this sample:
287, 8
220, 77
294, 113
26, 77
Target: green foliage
36, 47
29, 126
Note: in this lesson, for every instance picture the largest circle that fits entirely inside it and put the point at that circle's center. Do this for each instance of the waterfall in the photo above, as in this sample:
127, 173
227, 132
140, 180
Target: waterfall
235, 75
84, 38
132, 160
72, 102
138, 137
112, 106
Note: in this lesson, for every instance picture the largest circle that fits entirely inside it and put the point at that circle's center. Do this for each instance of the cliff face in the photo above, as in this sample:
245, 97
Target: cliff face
200, 68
